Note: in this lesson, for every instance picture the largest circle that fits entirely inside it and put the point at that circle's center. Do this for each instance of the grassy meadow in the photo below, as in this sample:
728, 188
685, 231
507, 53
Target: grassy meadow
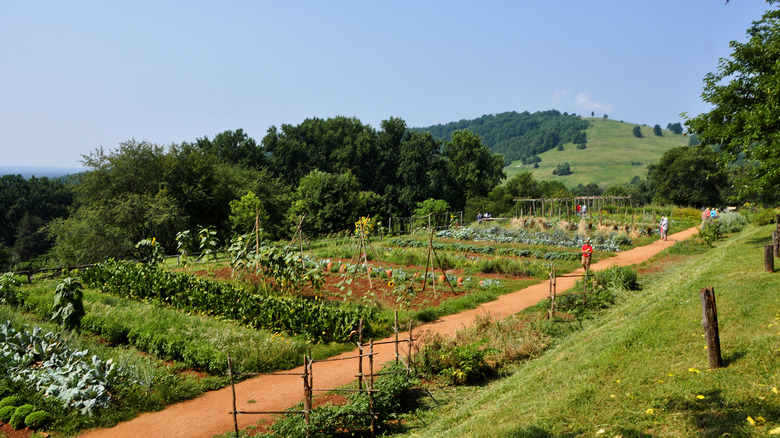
613, 155
641, 368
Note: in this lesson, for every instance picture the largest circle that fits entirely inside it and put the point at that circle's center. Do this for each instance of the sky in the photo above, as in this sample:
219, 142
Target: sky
77, 76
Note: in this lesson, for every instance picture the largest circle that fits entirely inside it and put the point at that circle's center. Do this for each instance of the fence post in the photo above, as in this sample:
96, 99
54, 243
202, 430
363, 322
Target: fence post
769, 258
710, 323
371, 386
360, 354
395, 329
307, 393
233, 388
551, 310
776, 242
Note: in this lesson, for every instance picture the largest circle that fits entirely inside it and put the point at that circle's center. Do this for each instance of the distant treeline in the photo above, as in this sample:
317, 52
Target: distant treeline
518, 136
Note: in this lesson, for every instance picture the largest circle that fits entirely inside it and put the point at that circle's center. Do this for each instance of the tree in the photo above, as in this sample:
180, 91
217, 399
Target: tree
637, 131
688, 176
743, 122
657, 130
562, 169
472, 169
676, 128
234, 147
416, 180
329, 202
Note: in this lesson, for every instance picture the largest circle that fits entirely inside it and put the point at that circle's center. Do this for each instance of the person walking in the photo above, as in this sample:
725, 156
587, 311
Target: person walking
587, 252
664, 227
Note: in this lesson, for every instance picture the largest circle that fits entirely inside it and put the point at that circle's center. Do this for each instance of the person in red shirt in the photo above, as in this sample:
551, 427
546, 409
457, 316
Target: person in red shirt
587, 252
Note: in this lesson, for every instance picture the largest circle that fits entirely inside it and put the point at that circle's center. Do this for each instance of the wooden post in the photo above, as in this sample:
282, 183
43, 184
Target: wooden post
769, 258
710, 323
776, 242
360, 354
371, 386
395, 329
551, 310
306, 393
233, 388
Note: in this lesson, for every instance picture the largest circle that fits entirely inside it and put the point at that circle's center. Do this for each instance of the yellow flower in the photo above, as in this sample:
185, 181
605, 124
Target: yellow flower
751, 420
649, 411
700, 397
774, 389
775, 431
693, 370
391, 283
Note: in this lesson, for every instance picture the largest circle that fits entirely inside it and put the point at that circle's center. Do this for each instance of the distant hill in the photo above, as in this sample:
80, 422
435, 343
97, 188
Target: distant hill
39, 172
613, 155
516, 135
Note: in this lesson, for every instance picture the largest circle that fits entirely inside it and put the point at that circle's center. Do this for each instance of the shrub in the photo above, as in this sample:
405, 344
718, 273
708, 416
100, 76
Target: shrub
38, 420
765, 216
454, 363
6, 412
10, 293
17, 419
710, 231
732, 222
11, 400
688, 213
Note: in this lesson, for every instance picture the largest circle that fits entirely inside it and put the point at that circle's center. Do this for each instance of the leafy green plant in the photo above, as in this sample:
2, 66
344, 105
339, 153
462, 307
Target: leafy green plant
17, 419
185, 245
392, 398
710, 231
453, 362
6, 412
208, 242
151, 251
38, 420
10, 293
68, 307
316, 319
11, 400
46, 362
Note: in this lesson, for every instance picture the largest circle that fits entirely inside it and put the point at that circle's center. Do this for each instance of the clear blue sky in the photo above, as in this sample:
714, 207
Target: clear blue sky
78, 75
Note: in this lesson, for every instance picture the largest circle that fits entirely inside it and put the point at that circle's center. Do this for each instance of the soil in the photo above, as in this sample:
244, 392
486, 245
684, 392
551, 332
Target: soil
209, 414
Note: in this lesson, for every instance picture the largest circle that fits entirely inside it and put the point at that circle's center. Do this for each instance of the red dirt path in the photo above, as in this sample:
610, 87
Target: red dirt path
209, 415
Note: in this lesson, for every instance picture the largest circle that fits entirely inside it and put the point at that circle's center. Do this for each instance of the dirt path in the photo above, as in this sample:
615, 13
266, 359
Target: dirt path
209, 415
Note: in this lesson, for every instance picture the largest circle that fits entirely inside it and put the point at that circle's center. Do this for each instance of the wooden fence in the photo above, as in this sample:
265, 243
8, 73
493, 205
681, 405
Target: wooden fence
365, 380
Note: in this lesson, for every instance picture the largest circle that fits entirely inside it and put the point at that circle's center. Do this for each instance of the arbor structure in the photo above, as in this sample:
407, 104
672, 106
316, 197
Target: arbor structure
745, 94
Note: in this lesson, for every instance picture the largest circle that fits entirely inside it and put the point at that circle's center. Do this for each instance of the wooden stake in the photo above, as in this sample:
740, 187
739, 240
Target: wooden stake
710, 323
769, 258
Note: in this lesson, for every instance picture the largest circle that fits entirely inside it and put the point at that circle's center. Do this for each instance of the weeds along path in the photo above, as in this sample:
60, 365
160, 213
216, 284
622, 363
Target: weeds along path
209, 415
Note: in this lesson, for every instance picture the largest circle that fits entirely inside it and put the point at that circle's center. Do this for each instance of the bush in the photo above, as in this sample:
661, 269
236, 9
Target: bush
732, 222
454, 363
11, 400
38, 420
17, 419
765, 216
6, 412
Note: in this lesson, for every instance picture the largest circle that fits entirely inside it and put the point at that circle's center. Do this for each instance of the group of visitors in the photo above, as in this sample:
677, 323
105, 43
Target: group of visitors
481, 217
709, 213
581, 210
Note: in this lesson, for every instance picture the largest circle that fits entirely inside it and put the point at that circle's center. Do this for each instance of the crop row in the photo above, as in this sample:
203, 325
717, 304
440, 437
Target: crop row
531, 237
484, 249
318, 320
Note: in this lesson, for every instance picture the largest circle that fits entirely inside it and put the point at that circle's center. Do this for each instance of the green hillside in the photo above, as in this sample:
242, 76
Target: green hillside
613, 155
